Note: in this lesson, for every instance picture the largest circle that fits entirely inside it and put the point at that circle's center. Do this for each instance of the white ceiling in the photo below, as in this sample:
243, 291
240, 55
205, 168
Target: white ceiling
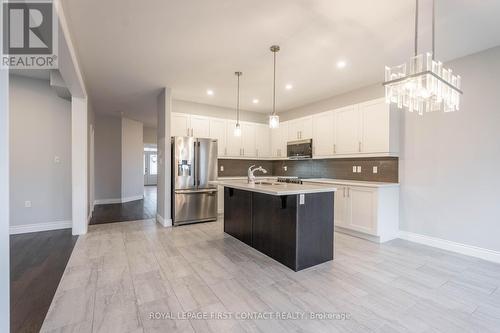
129, 49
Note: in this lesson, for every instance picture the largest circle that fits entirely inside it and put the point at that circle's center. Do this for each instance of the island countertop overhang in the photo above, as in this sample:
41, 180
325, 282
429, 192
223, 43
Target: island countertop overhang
278, 189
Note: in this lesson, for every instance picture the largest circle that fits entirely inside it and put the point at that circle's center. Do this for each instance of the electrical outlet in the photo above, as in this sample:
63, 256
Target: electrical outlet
221, 168
375, 169
359, 169
27, 204
57, 159
302, 199
354, 169
285, 168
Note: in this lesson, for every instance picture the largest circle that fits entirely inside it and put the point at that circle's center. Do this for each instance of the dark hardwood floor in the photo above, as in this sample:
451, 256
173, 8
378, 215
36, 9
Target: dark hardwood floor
130, 211
37, 263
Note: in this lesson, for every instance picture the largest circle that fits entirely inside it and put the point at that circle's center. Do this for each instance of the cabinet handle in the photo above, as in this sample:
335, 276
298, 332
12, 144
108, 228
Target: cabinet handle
225, 151
243, 151
344, 192
334, 148
348, 192
187, 129
359, 146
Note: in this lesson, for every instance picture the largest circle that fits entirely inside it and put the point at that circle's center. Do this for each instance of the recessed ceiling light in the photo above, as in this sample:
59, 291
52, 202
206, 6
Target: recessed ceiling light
341, 64
289, 86
255, 101
210, 92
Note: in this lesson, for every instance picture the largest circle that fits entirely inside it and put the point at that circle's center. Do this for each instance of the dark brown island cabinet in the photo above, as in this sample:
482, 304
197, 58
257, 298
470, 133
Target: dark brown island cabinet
295, 230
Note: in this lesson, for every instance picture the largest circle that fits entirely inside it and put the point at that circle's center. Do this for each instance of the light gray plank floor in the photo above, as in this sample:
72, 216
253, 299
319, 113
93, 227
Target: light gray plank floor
122, 274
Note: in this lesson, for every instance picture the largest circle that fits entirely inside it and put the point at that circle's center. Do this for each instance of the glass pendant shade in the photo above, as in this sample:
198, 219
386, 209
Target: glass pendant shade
424, 85
274, 121
237, 130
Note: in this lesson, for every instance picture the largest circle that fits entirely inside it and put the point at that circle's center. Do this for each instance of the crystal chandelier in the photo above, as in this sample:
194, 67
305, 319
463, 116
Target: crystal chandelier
425, 85
274, 119
237, 128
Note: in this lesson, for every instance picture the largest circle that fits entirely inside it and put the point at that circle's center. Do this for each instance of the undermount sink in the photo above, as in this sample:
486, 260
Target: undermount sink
261, 182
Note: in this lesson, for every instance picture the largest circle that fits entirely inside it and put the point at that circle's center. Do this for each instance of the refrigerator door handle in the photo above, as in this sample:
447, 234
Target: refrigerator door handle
195, 162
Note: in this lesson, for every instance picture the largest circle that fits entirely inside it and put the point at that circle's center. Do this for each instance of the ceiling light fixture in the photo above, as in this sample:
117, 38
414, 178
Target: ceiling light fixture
274, 119
255, 101
237, 129
210, 92
289, 86
341, 64
427, 86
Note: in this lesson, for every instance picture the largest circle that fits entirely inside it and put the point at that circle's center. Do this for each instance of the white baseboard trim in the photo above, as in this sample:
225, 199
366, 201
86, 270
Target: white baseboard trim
469, 250
107, 201
134, 198
117, 200
37, 227
162, 221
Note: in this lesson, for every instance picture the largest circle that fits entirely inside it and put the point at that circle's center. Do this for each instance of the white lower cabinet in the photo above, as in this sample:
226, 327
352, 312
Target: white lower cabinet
362, 209
370, 212
220, 199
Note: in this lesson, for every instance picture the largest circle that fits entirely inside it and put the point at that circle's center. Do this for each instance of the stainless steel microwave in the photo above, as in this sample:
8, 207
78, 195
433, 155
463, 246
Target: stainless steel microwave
299, 149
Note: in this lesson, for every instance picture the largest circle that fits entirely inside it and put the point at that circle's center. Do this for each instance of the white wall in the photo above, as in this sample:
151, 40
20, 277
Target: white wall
216, 111
132, 160
40, 131
4, 197
108, 157
150, 135
450, 162
163, 210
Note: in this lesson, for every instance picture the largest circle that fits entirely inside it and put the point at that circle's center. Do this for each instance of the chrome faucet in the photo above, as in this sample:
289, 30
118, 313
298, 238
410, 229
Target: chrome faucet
251, 177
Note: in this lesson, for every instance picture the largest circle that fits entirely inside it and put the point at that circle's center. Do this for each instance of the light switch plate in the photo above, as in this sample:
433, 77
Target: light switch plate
221, 168
375, 169
57, 159
285, 168
354, 169
359, 169
27, 204
302, 199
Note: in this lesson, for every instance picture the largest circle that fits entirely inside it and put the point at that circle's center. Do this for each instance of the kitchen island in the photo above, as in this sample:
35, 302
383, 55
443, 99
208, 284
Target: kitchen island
291, 223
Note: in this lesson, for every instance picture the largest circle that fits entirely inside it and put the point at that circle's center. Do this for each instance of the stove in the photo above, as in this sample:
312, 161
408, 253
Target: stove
292, 180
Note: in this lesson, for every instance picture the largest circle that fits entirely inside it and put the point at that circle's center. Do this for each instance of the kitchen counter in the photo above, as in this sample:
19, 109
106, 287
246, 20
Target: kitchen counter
349, 182
278, 188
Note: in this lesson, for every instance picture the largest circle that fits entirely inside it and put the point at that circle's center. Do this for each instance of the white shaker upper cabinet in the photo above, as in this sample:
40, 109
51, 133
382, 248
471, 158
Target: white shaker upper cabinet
323, 134
248, 139
380, 127
200, 127
279, 138
262, 141
180, 125
233, 143
347, 136
218, 131
299, 129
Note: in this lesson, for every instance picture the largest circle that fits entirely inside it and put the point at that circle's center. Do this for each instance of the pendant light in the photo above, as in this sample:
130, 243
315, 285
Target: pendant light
427, 86
237, 129
274, 119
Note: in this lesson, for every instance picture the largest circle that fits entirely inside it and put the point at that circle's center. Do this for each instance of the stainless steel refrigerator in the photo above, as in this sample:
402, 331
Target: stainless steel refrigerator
194, 166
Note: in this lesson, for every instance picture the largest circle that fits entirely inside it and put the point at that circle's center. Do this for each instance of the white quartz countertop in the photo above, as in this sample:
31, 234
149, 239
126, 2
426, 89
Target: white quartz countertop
349, 182
279, 189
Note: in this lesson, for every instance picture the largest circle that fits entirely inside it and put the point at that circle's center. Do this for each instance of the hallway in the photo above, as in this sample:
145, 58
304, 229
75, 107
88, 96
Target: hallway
130, 211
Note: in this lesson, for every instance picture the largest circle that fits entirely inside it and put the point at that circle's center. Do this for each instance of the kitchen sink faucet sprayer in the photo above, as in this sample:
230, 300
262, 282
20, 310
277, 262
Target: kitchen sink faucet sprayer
251, 177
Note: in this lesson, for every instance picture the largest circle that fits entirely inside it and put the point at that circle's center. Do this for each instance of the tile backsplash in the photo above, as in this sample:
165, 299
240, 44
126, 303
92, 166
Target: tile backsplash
340, 168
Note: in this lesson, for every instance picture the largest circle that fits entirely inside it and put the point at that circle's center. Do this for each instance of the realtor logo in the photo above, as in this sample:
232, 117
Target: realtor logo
29, 35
